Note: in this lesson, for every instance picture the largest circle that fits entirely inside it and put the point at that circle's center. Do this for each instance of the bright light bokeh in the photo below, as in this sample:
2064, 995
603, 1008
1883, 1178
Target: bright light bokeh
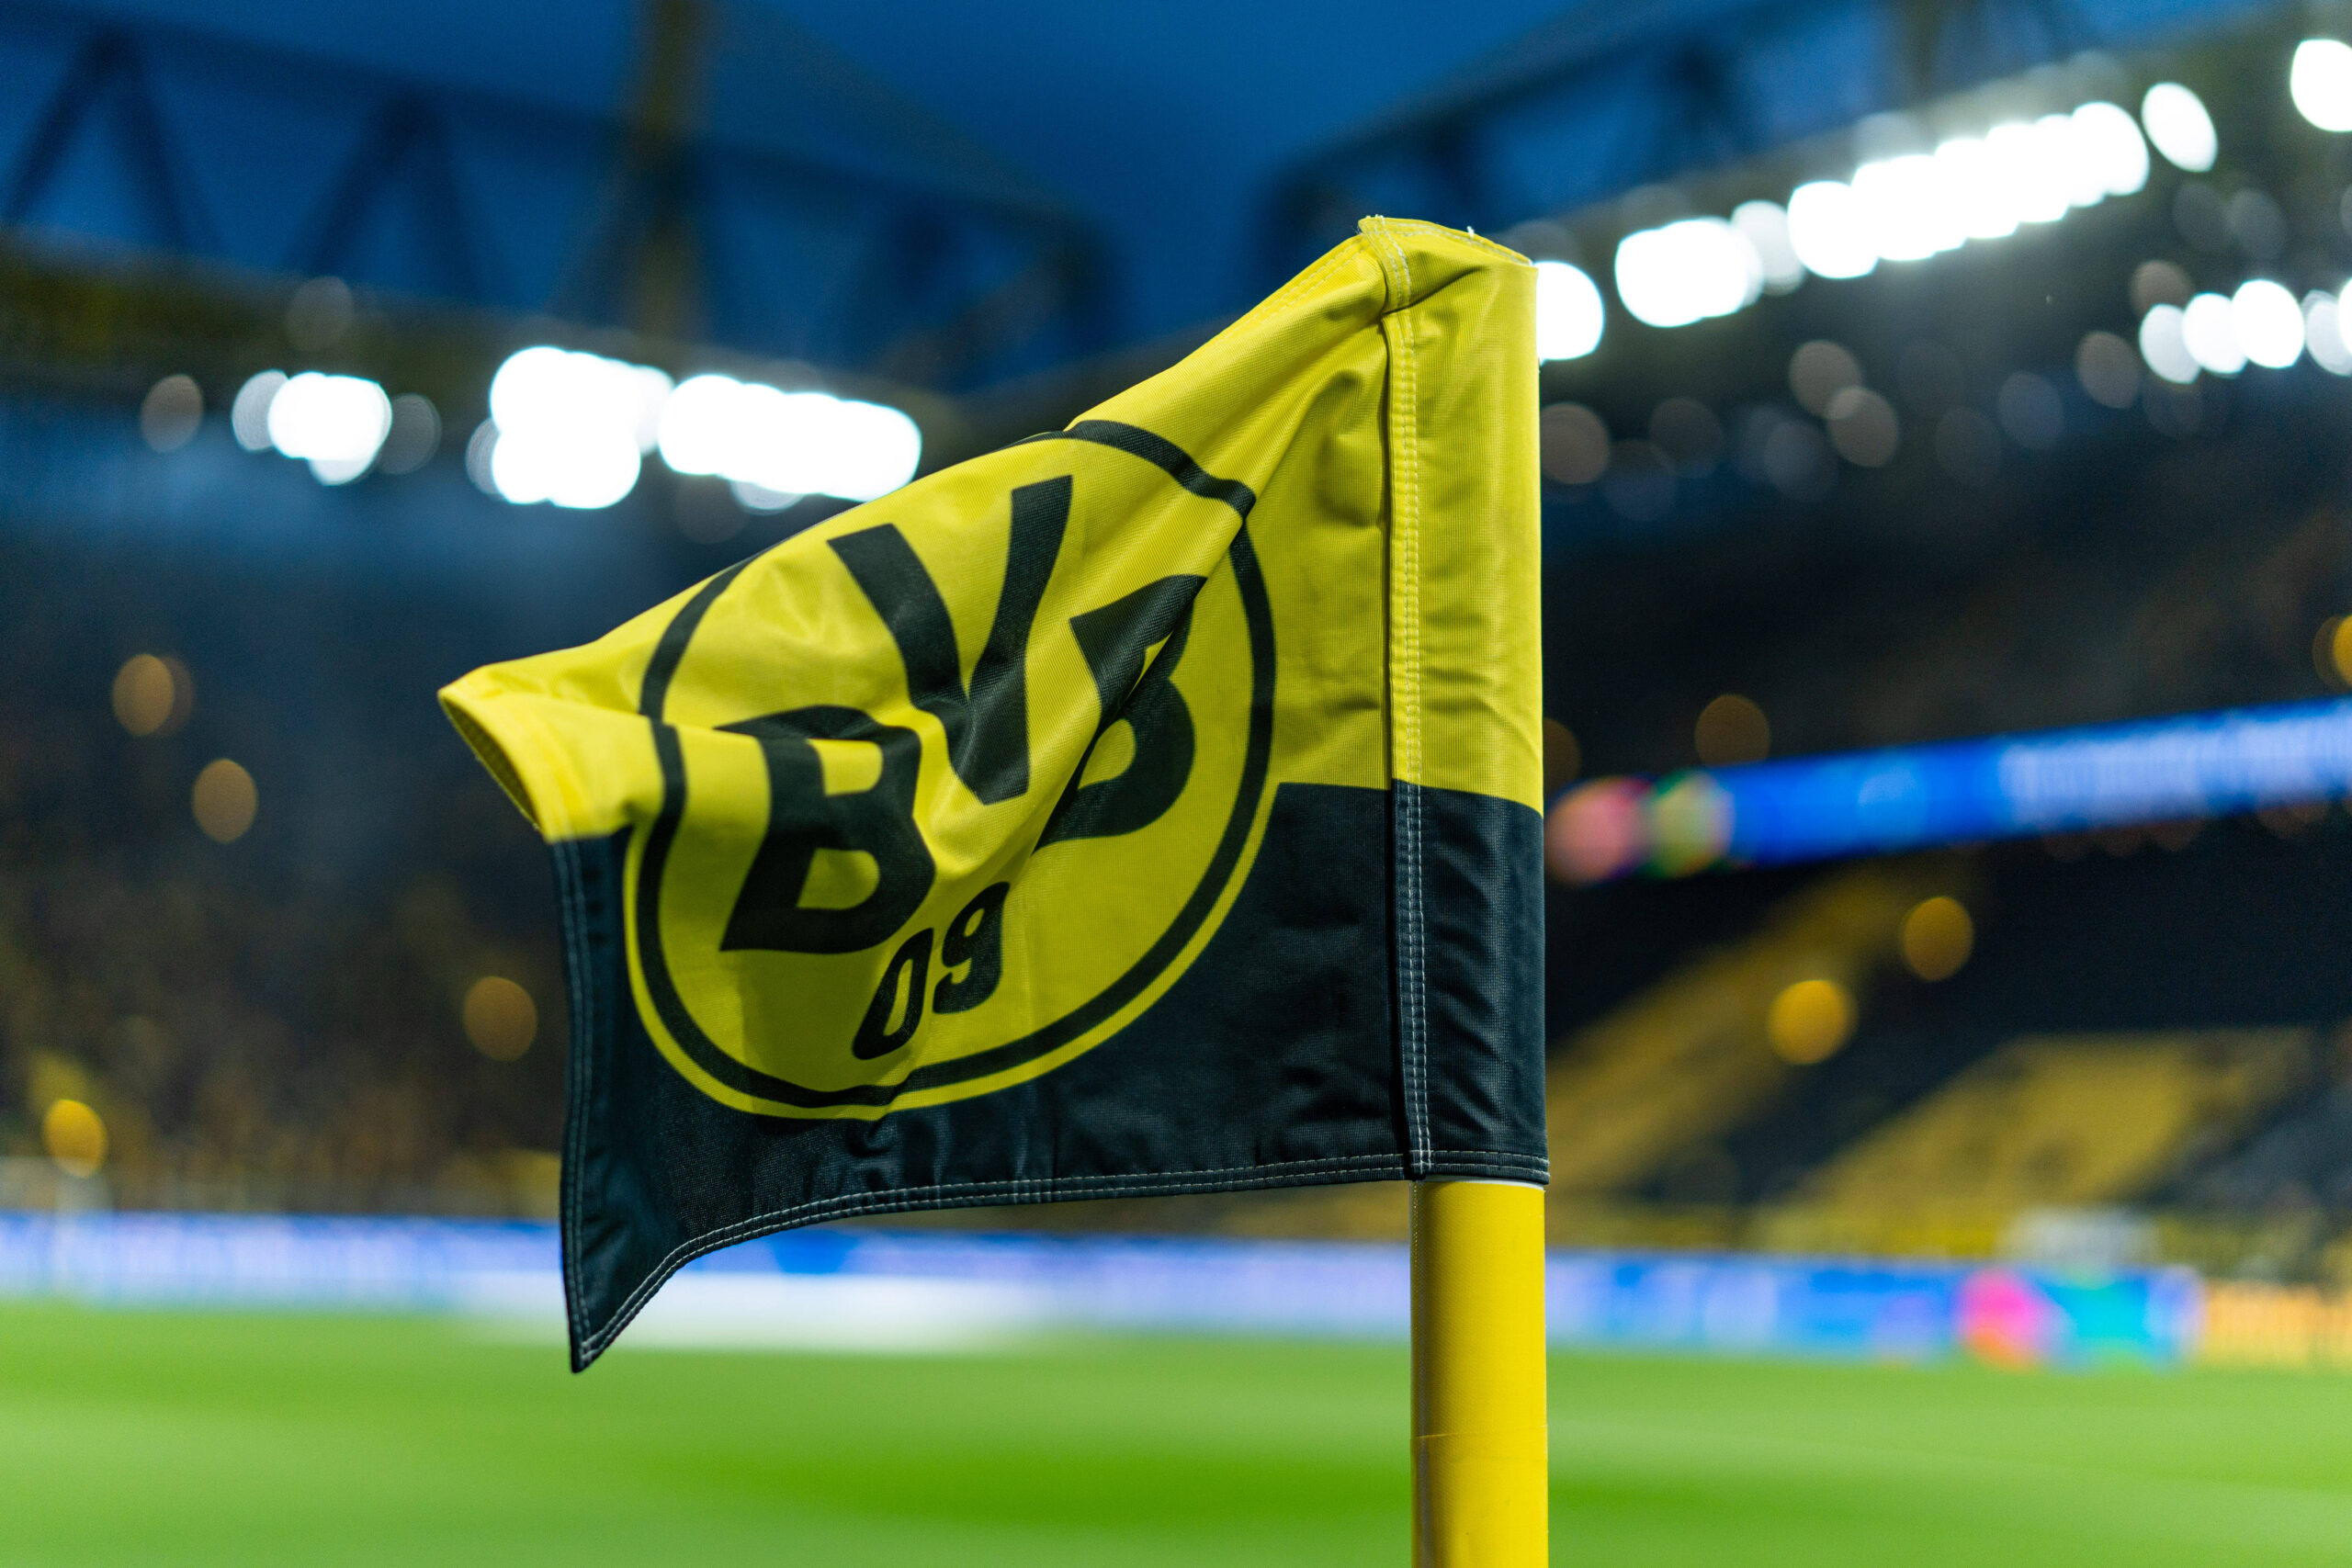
2179, 127
2209, 334
224, 801
2323, 333
546, 385
1937, 937
699, 429
75, 1137
2073, 160
2165, 347
2031, 162
1810, 1019
1906, 209
2267, 324
2319, 81
1975, 189
336, 422
1901, 209
2107, 140
1766, 224
874, 449
581, 469
1568, 313
249, 415
787, 443
759, 497
1830, 230
1688, 271
571, 427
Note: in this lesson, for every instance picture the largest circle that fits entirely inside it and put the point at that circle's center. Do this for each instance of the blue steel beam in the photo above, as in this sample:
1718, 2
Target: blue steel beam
521, 175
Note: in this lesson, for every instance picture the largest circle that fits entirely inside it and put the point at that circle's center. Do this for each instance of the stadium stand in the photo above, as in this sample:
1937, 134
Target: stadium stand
2052, 1122
2301, 1160
1693, 1056
274, 1023
281, 1025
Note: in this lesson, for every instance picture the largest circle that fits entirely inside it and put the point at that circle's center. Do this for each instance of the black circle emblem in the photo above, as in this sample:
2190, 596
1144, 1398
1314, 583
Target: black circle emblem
940, 1079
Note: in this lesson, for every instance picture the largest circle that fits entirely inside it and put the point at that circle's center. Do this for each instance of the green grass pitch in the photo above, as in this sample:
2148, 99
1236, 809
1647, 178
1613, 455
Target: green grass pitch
148, 1437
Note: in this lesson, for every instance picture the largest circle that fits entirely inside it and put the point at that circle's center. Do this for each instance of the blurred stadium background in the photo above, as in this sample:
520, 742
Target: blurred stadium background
1916, 373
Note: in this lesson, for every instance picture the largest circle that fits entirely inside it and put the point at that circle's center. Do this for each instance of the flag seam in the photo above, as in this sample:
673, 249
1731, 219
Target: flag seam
1459, 236
1475, 1161
1297, 287
1412, 958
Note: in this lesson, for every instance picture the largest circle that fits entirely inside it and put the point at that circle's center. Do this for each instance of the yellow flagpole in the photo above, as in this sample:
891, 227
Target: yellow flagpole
1480, 1497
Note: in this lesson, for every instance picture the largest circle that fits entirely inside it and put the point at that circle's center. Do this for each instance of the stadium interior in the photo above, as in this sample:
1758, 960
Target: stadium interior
284, 947
1983, 542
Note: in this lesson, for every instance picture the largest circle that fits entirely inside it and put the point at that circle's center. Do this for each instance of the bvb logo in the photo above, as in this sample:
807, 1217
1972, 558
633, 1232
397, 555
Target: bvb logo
912, 886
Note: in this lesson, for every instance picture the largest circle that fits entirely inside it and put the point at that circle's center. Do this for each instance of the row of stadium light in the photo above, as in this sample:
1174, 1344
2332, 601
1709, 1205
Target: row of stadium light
573, 429
2262, 323
1920, 205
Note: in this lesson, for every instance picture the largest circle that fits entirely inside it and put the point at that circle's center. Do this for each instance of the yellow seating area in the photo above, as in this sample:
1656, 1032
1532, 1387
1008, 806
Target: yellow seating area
1690, 1057
2258, 1324
2058, 1120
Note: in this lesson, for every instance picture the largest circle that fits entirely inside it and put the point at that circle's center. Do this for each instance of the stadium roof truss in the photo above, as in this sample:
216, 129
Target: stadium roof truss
692, 170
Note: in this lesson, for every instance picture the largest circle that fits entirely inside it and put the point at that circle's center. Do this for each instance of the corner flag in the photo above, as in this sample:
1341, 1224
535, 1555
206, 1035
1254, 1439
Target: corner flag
1151, 807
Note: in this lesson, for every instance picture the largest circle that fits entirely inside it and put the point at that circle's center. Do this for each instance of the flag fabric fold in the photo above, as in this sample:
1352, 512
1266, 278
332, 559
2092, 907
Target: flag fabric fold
1151, 807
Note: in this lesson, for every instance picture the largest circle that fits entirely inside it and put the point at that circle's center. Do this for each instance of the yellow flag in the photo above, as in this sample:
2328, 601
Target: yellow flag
1151, 807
